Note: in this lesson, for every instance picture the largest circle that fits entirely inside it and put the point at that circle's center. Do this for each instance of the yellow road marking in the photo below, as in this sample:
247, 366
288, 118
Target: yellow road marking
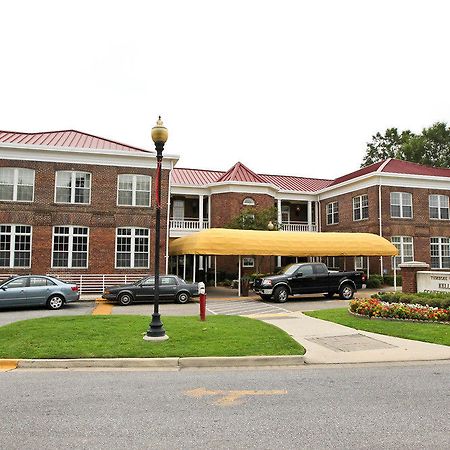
102, 309
230, 397
8, 364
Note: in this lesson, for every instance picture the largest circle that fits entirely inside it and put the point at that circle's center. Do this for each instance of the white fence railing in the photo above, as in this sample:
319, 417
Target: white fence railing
292, 226
187, 224
96, 283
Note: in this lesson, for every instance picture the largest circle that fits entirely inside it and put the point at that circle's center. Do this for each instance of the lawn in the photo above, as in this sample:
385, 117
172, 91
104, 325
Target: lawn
426, 332
122, 337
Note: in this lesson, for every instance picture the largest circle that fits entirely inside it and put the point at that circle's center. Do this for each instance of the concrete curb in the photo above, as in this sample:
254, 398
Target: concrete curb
160, 363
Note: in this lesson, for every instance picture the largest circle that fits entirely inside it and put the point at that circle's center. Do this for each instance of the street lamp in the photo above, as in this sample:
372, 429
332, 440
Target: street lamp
156, 330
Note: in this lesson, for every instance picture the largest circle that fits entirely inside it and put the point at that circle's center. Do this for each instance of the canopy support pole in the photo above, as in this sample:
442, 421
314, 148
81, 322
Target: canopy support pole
184, 267
215, 271
368, 268
239, 277
177, 264
193, 269
395, 277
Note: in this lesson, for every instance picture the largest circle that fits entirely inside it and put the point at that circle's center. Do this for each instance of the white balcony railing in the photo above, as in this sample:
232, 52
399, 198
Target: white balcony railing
187, 224
298, 226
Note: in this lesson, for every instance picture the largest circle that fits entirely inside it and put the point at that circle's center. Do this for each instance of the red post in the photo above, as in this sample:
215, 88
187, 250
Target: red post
203, 307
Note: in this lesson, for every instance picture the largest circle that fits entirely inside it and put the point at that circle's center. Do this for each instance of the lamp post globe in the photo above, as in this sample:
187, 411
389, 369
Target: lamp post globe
156, 330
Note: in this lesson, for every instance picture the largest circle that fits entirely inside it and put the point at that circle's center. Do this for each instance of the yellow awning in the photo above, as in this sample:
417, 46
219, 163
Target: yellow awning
221, 241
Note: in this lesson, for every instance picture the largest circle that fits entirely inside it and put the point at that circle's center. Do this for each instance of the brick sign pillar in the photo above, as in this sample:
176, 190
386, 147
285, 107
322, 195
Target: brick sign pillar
409, 275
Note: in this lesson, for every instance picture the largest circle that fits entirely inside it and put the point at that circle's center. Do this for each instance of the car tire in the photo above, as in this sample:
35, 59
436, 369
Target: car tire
346, 292
329, 294
183, 298
55, 302
265, 297
281, 294
125, 299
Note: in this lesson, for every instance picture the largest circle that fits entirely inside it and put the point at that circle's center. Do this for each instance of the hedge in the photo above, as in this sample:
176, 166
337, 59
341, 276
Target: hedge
435, 299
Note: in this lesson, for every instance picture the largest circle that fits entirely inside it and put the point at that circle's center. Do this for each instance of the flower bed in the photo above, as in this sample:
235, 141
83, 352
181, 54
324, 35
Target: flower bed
376, 308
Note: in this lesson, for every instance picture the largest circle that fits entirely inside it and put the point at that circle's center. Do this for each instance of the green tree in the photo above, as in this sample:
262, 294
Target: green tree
254, 219
431, 147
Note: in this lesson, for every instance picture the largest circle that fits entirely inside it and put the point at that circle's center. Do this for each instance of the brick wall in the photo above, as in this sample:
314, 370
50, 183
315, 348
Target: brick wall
102, 216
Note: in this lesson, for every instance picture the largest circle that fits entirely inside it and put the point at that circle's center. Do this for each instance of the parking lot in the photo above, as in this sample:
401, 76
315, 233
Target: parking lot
219, 301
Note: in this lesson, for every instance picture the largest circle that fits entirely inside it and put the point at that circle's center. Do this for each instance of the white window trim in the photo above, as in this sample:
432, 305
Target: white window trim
69, 260
132, 236
438, 207
362, 259
440, 244
248, 201
15, 184
401, 204
286, 211
13, 244
360, 207
402, 243
72, 188
133, 191
247, 259
334, 207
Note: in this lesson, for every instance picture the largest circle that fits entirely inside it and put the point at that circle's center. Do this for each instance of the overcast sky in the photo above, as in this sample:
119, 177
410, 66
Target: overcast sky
286, 87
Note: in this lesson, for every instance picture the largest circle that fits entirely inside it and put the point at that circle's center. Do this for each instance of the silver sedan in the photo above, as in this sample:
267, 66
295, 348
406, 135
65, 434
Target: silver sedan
33, 290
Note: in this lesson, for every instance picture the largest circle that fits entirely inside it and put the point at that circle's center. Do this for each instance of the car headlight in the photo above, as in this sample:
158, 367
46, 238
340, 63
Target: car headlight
266, 283
107, 292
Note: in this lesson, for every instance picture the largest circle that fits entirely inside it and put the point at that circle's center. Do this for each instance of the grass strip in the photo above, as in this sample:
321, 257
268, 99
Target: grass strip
427, 332
122, 337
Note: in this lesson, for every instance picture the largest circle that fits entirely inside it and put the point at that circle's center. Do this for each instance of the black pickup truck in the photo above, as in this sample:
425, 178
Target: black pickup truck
308, 278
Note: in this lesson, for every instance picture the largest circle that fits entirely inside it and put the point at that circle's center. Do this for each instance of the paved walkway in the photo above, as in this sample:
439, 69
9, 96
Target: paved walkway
330, 343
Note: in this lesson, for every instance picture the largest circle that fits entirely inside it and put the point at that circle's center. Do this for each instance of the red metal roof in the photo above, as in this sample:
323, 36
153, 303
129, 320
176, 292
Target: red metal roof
410, 168
65, 138
239, 172
358, 173
197, 177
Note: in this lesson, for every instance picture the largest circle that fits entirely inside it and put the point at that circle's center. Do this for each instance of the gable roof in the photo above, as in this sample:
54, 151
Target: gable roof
398, 166
66, 139
239, 172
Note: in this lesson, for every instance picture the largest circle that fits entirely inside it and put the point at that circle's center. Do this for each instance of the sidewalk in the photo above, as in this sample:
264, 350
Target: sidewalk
331, 343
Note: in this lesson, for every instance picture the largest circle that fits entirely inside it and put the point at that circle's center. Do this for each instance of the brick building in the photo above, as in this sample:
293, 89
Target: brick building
71, 202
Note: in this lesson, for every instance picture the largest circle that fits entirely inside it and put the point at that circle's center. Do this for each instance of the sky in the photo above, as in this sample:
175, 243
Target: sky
286, 87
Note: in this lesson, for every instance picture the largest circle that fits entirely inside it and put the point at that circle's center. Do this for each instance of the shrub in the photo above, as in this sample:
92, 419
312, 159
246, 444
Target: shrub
389, 280
435, 299
374, 282
376, 308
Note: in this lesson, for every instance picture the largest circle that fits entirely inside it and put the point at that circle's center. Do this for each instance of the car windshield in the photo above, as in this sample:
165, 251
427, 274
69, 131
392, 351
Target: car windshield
289, 269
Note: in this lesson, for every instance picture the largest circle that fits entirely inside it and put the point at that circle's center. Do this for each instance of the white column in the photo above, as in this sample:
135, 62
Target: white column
239, 277
177, 264
368, 268
309, 215
200, 210
184, 267
193, 269
316, 209
209, 211
279, 222
200, 263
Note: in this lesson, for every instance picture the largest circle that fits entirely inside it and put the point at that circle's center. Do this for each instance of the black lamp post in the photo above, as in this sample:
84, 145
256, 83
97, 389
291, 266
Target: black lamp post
156, 330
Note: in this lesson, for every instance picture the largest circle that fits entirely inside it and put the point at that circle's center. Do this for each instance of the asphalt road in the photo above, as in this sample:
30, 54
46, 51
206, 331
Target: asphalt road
365, 407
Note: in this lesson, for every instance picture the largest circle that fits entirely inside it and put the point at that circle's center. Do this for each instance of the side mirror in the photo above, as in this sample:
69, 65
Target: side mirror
299, 275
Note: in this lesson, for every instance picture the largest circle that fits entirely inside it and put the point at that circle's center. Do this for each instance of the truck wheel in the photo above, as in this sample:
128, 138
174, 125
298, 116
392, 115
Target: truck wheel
281, 294
346, 292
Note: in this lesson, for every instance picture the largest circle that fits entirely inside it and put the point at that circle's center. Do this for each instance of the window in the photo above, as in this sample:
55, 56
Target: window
133, 190
178, 209
285, 213
401, 205
16, 184
17, 283
15, 246
361, 207
440, 252
132, 248
73, 187
360, 263
404, 245
439, 207
332, 213
248, 202
167, 281
70, 247
40, 281
306, 270
248, 262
